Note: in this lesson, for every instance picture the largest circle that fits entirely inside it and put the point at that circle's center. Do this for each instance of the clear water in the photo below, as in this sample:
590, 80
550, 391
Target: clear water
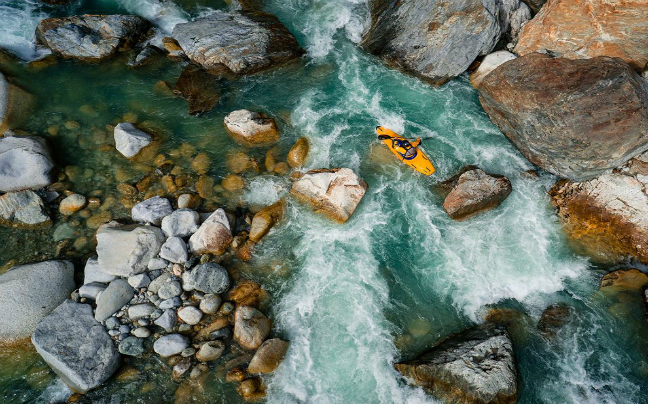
354, 298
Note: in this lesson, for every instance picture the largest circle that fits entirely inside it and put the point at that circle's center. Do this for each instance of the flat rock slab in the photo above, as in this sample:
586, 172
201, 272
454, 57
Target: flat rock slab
76, 346
23, 209
574, 118
475, 366
335, 192
127, 250
580, 29
25, 163
91, 37
30, 292
244, 41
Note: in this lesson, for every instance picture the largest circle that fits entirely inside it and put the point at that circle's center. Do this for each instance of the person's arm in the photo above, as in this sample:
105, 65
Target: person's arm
417, 143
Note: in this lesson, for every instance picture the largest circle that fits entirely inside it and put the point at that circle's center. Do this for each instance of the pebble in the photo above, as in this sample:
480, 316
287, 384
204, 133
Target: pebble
131, 346
158, 282
188, 201
139, 281
143, 322
141, 332
170, 303
91, 290
210, 351
72, 203
138, 311
188, 352
180, 368
170, 289
226, 309
112, 322
167, 320
174, 250
181, 223
169, 345
190, 315
124, 329
184, 328
210, 303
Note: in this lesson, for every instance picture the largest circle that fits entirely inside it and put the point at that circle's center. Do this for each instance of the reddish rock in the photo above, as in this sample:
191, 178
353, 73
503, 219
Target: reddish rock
476, 191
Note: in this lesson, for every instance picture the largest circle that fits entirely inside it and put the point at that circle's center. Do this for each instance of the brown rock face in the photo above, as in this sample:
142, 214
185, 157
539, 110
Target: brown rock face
200, 88
15, 104
268, 357
265, 219
248, 293
574, 118
476, 191
553, 318
606, 218
623, 279
578, 29
251, 327
298, 153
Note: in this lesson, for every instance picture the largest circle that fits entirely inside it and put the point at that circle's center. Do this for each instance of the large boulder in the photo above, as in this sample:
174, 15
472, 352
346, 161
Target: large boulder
126, 250
476, 191
251, 327
244, 41
91, 37
14, 104
606, 218
23, 209
213, 236
579, 29
251, 128
76, 346
438, 41
30, 292
475, 366
574, 118
25, 163
335, 192
623, 280
490, 63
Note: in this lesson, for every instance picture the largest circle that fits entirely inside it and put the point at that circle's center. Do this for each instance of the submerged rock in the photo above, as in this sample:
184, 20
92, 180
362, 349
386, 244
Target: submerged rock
574, 118
251, 327
23, 208
129, 140
553, 318
438, 41
268, 357
476, 191
335, 192
126, 250
116, 295
244, 41
30, 292
580, 29
213, 235
251, 128
14, 103
71, 204
248, 293
265, 219
76, 346
475, 366
25, 163
606, 218
91, 37
298, 153
199, 87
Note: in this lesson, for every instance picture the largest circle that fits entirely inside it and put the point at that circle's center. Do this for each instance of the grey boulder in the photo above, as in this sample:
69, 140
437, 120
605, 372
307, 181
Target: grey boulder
127, 250
169, 345
244, 41
23, 209
207, 278
174, 250
438, 41
30, 292
91, 37
475, 366
25, 163
116, 295
91, 290
476, 191
181, 223
76, 346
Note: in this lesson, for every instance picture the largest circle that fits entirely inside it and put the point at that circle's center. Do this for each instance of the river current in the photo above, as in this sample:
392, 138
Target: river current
355, 298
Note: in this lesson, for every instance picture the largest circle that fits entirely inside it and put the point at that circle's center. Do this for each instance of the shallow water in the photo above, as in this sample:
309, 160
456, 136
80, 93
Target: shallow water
355, 298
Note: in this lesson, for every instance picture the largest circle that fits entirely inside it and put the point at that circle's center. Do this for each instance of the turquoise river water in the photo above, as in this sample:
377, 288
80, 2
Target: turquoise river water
353, 298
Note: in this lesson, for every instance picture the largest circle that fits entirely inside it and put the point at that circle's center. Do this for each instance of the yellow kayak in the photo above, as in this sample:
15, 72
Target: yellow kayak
406, 152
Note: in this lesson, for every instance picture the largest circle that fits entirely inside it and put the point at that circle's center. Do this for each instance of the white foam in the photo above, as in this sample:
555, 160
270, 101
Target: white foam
165, 14
264, 190
18, 22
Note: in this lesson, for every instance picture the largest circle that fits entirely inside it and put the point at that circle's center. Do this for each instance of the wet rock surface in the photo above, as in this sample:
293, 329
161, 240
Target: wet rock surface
438, 41
251, 128
268, 357
244, 41
476, 191
23, 209
476, 366
251, 327
579, 29
199, 87
129, 140
91, 37
25, 163
606, 218
30, 292
574, 118
76, 346
335, 192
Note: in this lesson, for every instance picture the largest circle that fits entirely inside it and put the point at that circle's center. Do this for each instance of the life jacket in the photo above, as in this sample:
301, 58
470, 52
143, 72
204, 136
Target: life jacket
404, 148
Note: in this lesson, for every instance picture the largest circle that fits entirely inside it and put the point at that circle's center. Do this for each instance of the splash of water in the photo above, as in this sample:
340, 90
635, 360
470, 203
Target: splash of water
19, 20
